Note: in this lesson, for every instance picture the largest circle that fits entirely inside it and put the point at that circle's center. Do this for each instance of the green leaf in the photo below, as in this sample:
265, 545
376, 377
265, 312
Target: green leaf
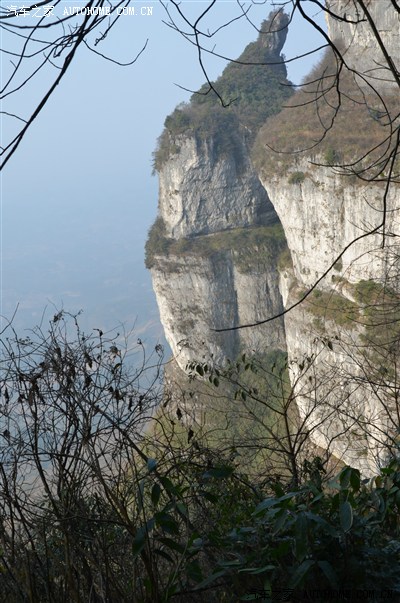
271, 502
138, 545
208, 496
193, 571
329, 573
355, 479
280, 521
167, 523
197, 543
281, 550
163, 554
209, 580
141, 536
182, 508
232, 563
256, 570
301, 538
169, 486
346, 516
155, 494
327, 527
279, 491
344, 477
151, 464
140, 492
301, 572
172, 544
218, 472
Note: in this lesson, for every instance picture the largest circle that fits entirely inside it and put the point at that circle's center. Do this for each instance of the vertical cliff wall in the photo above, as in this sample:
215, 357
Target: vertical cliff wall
204, 191
204, 289
214, 249
217, 249
337, 210
362, 44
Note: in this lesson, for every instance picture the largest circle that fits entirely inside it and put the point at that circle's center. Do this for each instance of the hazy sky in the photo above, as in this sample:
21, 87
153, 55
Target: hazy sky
78, 196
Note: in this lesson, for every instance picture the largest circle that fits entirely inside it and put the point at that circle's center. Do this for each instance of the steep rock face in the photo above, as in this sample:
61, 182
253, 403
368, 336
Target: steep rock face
358, 42
198, 294
347, 405
210, 268
342, 378
343, 366
343, 397
323, 214
201, 192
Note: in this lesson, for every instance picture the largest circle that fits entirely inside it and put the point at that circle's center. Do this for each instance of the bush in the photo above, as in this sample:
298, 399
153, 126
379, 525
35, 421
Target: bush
297, 177
251, 92
92, 509
331, 157
250, 246
157, 242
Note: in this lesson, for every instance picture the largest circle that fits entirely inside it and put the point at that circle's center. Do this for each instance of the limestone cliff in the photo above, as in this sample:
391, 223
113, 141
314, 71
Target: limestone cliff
216, 251
201, 192
214, 248
357, 39
332, 198
215, 283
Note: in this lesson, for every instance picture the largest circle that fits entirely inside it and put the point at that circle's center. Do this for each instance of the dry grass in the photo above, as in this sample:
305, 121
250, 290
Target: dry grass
330, 121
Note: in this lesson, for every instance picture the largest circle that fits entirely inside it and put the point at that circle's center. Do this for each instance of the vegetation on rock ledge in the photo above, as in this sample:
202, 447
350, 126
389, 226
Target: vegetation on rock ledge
249, 246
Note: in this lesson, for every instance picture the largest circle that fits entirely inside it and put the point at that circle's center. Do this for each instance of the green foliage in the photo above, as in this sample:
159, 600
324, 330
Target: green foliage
285, 260
251, 91
333, 306
251, 247
259, 417
297, 177
157, 243
338, 265
368, 292
94, 509
381, 317
331, 157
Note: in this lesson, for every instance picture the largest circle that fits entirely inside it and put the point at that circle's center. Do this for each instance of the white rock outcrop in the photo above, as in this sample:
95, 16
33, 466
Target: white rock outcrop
201, 192
327, 212
197, 295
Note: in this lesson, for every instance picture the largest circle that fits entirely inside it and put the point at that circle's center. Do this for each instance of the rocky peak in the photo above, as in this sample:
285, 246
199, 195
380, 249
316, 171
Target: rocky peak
273, 32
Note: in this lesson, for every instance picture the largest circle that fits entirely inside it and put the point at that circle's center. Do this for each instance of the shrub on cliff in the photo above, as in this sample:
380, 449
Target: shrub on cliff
250, 246
157, 243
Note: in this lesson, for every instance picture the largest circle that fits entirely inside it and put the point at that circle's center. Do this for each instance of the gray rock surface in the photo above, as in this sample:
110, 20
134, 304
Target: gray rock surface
197, 295
200, 193
358, 43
